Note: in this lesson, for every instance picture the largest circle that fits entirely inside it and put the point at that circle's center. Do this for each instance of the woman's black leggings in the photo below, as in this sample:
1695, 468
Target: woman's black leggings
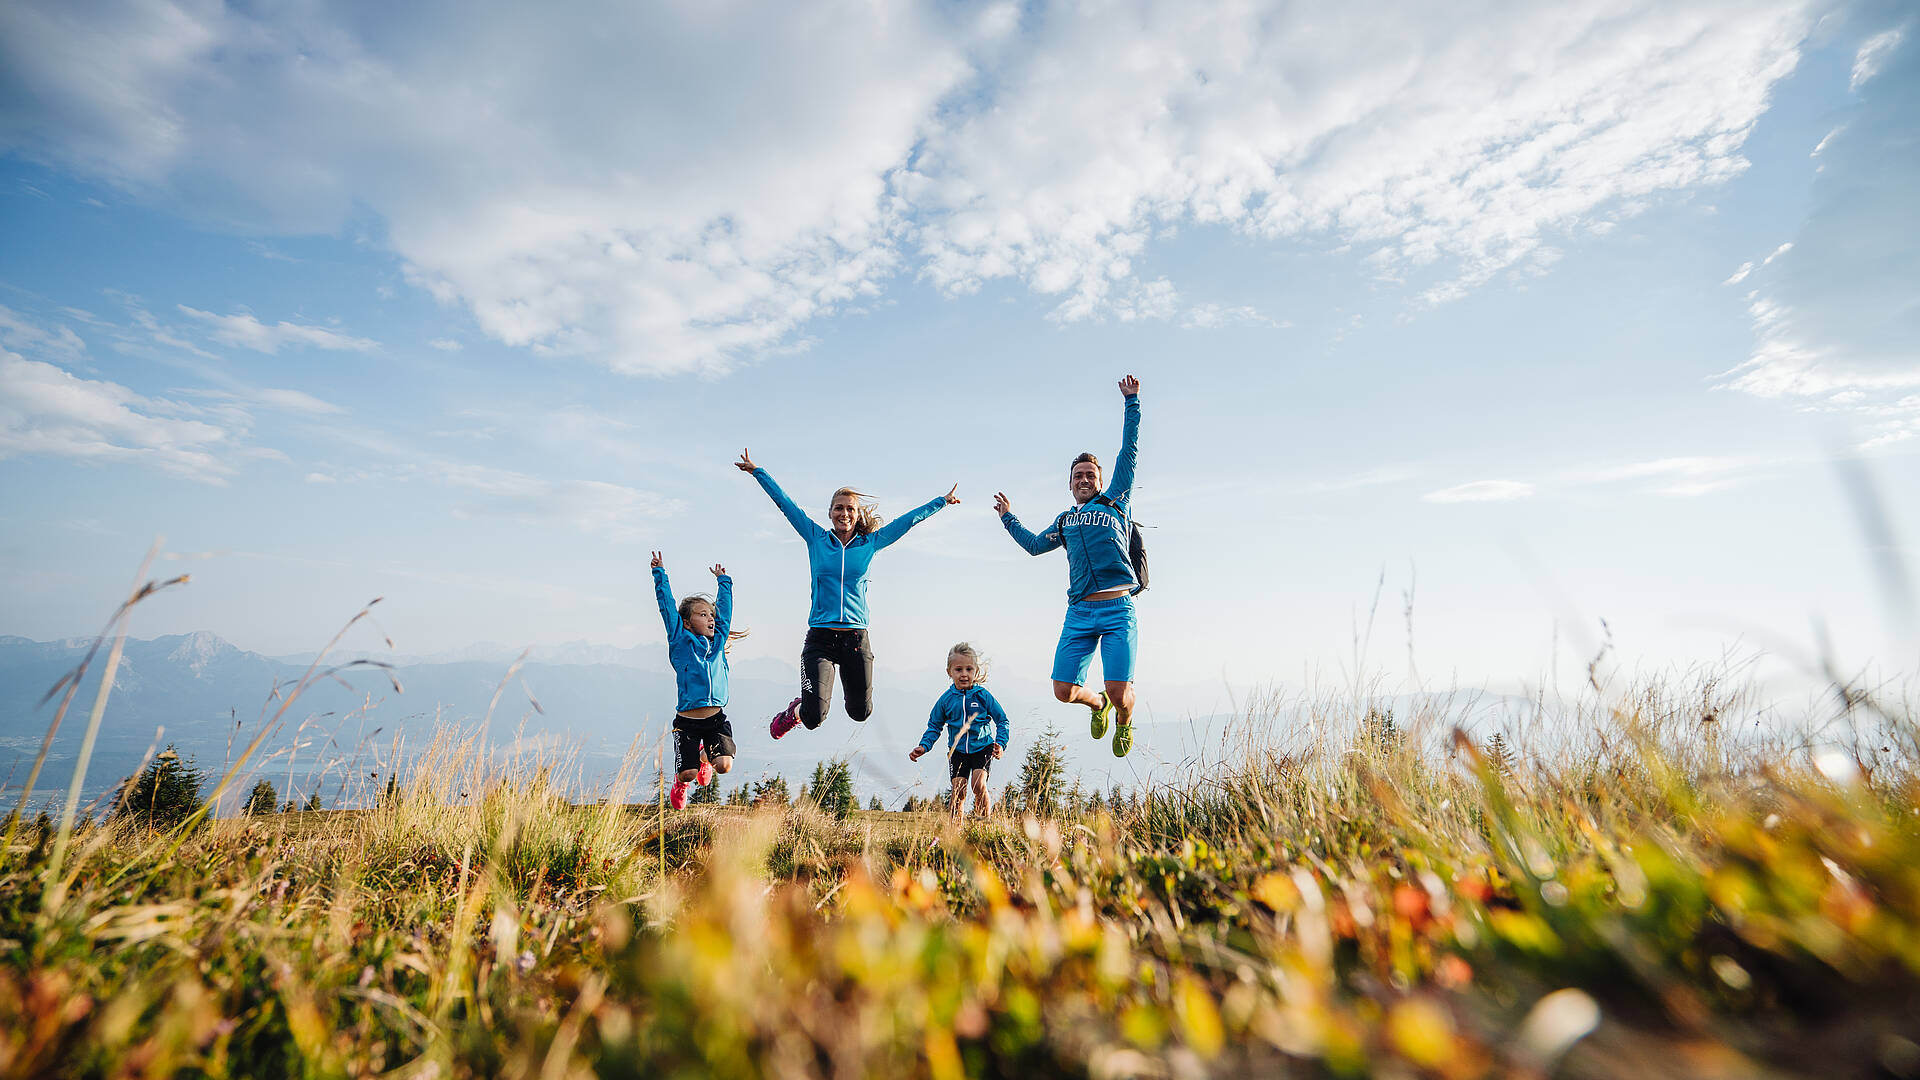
824, 651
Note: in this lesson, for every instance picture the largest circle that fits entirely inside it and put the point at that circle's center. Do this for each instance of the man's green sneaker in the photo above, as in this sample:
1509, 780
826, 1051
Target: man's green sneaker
1100, 716
1122, 739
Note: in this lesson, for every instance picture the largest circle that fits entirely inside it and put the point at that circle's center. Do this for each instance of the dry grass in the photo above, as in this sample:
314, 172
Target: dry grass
1644, 893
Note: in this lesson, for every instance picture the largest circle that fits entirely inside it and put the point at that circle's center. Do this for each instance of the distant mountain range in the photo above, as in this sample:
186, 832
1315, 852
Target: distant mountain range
209, 699
648, 658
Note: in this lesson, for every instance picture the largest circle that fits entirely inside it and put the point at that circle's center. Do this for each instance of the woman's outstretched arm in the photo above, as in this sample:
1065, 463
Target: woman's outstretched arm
796, 517
897, 528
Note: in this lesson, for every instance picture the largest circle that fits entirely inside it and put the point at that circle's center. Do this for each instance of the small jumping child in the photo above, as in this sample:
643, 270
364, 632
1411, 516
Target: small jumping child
698, 632
964, 710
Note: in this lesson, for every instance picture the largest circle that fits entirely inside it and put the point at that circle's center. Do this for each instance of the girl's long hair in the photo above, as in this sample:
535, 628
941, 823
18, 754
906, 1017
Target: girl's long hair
866, 516
686, 607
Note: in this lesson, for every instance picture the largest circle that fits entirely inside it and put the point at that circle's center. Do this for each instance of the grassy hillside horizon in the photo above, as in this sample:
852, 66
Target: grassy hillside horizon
1668, 894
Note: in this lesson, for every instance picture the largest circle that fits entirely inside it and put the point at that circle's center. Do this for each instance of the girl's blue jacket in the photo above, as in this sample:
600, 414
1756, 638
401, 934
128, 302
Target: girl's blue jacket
964, 713
699, 663
840, 570
1094, 533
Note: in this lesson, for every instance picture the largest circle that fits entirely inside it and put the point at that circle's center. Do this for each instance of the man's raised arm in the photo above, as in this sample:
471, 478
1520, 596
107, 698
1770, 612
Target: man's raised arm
1122, 486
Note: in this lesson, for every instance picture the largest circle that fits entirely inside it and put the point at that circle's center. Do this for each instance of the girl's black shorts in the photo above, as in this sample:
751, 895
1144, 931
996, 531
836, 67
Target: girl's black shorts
715, 733
962, 765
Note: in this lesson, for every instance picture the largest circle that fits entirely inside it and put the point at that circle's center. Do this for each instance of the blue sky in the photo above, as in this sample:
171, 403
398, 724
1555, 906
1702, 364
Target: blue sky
1538, 316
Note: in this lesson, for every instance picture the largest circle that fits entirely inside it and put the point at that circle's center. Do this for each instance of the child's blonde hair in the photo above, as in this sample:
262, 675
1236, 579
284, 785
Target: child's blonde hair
866, 516
686, 607
973, 654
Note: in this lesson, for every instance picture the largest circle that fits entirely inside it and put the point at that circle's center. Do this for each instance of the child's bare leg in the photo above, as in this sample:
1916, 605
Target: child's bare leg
723, 763
982, 802
959, 799
1121, 694
687, 776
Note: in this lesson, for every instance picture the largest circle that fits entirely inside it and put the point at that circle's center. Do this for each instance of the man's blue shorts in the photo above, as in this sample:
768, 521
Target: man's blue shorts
1105, 624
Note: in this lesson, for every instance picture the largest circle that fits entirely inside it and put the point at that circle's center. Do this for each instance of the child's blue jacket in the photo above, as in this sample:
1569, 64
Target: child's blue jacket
840, 571
965, 714
699, 663
1094, 534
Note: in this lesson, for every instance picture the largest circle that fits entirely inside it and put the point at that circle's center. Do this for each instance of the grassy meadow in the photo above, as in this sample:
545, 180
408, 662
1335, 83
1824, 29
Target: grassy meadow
1653, 897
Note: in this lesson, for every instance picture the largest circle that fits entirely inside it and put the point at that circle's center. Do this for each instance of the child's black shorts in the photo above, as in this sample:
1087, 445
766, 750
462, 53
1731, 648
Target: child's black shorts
961, 765
715, 733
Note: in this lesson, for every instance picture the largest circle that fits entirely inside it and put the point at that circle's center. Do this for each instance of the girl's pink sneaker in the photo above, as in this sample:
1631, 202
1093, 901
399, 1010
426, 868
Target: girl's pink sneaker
785, 720
705, 775
677, 795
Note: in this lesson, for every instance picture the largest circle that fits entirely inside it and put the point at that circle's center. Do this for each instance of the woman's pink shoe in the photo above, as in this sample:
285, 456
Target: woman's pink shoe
705, 775
785, 720
677, 795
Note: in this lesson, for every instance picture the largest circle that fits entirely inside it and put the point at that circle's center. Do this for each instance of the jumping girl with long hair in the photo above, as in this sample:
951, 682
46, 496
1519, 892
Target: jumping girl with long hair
837, 624
698, 632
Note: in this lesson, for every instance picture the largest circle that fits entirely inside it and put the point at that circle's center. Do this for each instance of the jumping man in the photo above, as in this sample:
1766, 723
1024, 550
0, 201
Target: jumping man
1100, 580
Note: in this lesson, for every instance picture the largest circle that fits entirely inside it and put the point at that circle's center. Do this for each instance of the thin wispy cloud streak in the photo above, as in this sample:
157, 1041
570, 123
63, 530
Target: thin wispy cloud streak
248, 332
1480, 491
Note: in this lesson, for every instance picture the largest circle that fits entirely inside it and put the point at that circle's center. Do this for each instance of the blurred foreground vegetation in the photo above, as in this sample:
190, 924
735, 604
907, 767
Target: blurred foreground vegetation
1384, 898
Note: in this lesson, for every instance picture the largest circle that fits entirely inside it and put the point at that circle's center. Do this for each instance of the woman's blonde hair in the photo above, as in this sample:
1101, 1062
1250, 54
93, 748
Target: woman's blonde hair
866, 517
686, 607
973, 654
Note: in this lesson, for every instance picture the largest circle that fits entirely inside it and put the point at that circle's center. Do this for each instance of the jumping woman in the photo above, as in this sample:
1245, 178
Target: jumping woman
837, 624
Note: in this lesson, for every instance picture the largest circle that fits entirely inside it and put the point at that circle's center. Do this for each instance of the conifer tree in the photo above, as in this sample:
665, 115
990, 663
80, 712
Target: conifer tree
1042, 787
166, 792
262, 800
771, 792
831, 788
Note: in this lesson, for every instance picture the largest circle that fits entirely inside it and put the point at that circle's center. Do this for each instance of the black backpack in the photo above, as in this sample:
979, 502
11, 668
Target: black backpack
1136, 546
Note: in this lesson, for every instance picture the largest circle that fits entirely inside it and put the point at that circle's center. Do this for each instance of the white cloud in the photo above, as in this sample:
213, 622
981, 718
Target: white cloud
1677, 476
247, 332
672, 187
198, 432
661, 186
1213, 316
1747, 268
295, 401
1873, 55
46, 410
444, 344
1836, 328
21, 334
1481, 491
282, 400
1423, 137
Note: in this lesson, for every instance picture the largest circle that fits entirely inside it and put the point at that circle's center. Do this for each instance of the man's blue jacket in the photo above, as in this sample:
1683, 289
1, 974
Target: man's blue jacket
1094, 533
